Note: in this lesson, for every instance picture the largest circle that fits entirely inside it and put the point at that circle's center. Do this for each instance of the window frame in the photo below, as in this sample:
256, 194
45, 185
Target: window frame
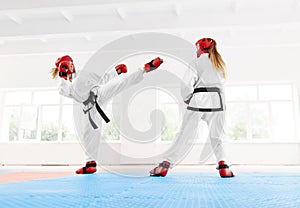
39, 107
294, 100
295, 109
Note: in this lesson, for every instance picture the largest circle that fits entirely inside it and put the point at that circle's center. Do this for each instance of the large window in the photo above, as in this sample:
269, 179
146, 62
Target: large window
169, 107
262, 111
41, 115
155, 100
255, 112
36, 115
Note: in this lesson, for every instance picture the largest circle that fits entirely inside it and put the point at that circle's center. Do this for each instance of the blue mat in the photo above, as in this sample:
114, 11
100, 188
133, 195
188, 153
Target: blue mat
177, 190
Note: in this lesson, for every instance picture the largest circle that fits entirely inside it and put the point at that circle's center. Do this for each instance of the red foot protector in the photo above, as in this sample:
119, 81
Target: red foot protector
121, 68
161, 169
91, 164
90, 167
224, 170
154, 64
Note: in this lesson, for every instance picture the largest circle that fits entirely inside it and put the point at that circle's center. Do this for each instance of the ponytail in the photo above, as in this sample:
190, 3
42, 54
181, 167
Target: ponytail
217, 60
54, 72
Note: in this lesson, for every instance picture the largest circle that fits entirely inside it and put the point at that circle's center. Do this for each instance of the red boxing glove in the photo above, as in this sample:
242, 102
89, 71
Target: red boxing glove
154, 64
224, 170
121, 68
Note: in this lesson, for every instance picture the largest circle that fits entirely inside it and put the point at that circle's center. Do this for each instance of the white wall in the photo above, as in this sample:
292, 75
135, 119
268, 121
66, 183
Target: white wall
33, 71
66, 153
244, 65
263, 64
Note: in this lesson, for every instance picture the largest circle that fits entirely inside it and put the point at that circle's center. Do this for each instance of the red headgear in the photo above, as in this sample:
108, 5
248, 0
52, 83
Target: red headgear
204, 45
64, 64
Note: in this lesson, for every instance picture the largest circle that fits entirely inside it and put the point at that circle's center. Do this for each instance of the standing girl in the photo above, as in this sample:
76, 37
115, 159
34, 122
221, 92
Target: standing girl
204, 93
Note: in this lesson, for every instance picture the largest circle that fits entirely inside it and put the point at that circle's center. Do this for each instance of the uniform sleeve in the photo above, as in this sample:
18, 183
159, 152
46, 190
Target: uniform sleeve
187, 85
65, 88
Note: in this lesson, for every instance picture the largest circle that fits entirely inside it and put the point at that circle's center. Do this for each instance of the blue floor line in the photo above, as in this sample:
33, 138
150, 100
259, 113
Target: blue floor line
177, 190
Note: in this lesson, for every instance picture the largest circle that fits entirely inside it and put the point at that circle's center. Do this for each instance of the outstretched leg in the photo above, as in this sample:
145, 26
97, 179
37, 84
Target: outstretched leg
184, 140
116, 86
110, 75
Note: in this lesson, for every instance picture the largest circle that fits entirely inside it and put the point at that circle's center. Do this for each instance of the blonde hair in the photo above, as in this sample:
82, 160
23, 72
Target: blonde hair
54, 72
217, 60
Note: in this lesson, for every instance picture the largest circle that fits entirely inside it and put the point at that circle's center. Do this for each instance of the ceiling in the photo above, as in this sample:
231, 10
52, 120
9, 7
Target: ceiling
50, 26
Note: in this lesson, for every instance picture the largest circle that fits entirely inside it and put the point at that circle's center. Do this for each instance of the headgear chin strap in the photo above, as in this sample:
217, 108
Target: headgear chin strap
64, 65
203, 45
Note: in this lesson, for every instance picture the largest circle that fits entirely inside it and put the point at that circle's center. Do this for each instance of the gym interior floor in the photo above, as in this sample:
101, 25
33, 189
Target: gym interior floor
184, 186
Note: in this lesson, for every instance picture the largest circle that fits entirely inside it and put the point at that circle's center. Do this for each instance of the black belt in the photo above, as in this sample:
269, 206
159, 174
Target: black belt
207, 89
93, 101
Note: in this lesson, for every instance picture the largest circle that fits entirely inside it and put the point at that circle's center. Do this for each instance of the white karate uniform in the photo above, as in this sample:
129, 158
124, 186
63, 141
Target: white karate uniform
105, 87
202, 74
